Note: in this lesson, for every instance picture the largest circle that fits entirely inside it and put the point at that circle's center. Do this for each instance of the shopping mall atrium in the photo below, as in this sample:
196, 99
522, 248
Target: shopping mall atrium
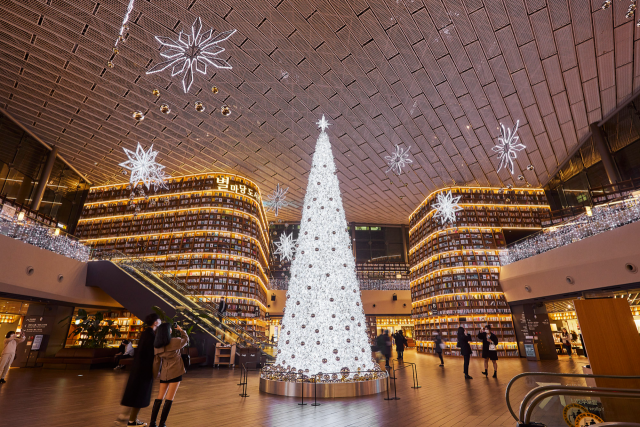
320, 213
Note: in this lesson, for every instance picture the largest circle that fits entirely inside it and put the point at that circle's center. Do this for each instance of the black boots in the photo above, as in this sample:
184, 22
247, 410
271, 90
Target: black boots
486, 373
495, 374
467, 377
154, 412
165, 412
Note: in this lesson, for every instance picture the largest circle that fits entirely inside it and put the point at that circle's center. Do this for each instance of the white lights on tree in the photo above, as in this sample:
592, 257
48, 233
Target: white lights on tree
125, 20
508, 147
446, 207
286, 247
323, 328
144, 168
398, 160
276, 200
191, 53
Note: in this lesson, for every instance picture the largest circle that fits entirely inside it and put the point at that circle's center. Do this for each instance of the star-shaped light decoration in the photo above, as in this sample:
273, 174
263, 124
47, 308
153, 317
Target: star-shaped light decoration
446, 207
144, 168
277, 200
398, 160
191, 53
286, 247
323, 124
507, 147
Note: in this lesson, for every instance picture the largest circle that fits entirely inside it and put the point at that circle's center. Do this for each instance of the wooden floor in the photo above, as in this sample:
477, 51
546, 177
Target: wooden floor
209, 397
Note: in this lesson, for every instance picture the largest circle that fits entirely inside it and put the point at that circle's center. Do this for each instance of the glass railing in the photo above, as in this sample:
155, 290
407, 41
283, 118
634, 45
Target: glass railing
49, 238
365, 284
189, 304
595, 221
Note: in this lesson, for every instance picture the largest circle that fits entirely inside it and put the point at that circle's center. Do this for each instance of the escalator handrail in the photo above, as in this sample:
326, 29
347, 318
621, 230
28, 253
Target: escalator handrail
555, 374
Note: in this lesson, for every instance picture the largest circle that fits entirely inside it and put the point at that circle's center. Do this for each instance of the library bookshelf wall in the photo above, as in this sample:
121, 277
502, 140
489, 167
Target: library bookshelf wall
209, 230
455, 267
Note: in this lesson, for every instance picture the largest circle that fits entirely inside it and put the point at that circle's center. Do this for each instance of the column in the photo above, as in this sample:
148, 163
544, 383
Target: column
404, 244
44, 179
24, 190
605, 154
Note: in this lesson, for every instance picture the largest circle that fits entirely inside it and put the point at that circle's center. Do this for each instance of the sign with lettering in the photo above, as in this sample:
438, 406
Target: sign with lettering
224, 184
530, 350
37, 342
571, 412
33, 325
584, 420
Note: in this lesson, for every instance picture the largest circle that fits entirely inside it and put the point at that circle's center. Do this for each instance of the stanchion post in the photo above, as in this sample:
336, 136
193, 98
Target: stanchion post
246, 380
395, 391
388, 386
315, 392
241, 374
414, 368
302, 385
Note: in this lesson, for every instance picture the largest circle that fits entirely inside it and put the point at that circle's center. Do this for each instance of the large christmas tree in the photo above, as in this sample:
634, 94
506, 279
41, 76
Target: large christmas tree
323, 329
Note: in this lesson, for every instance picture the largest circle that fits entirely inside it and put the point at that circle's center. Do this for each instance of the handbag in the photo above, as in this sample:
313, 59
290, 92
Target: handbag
186, 360
442, 345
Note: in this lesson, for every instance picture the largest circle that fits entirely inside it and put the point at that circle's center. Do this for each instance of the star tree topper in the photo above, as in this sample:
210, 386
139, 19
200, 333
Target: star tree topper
286, 247
144, 168
446, 207
507, 147
193, 54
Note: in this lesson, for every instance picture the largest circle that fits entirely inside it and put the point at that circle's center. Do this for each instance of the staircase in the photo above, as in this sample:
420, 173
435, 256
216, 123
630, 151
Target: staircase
138, 285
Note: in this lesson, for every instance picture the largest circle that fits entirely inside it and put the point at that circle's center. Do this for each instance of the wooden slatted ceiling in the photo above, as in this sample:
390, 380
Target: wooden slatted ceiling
439, 75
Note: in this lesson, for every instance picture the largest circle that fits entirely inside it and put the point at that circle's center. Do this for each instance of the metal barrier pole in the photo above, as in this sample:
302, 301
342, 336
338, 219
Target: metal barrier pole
302, 385
315, 392
246, 380
388, 386
395, 391
414, 368
241, 374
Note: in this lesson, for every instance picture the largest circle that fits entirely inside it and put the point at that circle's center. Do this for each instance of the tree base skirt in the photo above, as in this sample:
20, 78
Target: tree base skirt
322, 390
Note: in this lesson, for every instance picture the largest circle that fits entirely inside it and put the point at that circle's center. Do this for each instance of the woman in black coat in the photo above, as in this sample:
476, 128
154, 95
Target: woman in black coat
137, 394
401, 342
489, 350
465, 350
438, 346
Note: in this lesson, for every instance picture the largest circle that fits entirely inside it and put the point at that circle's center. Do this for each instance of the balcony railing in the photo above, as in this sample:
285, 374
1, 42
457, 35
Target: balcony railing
365, 284
594, 221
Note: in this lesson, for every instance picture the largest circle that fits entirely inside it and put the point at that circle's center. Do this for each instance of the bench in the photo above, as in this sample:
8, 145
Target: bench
80, 358
196, 359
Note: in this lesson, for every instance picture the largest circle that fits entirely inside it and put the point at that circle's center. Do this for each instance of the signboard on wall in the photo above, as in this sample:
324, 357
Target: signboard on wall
37, 342
33, 325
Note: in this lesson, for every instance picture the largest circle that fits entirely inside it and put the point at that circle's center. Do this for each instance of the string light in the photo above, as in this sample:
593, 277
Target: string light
603, 218
43, 237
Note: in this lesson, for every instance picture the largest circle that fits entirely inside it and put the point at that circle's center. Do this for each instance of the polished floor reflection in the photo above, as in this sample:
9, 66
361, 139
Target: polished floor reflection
39, 397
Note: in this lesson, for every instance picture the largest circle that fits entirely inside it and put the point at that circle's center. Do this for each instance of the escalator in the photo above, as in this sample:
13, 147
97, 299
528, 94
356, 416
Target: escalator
139, 285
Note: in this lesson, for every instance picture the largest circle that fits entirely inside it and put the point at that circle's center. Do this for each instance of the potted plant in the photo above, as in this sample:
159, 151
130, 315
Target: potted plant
93, 329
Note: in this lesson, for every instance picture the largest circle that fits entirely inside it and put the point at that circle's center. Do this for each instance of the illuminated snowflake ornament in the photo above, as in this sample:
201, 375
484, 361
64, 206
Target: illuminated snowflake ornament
507, 147
144, 168
398, 160
277, 200
286, 247
446, 207
191, 53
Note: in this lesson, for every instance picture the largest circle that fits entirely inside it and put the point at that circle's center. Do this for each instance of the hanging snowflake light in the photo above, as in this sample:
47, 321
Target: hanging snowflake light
144, 168
286, 247
507, 147
191, 53
446, 207
277, 200
398, 160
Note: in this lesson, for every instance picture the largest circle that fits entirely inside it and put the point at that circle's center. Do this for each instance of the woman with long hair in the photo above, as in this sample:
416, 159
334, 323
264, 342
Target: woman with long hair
566, 341
168, 361
465, 350
489, 350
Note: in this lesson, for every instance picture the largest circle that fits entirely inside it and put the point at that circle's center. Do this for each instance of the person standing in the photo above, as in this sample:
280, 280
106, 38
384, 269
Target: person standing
401, 343
489, 350
439, 346
137, 393
566, 341
126, 352
222, 307
9, 353
465, 350
168, 361
383, 342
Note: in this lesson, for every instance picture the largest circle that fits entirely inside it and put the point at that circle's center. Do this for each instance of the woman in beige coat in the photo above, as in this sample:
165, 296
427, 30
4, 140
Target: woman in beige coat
168, 361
